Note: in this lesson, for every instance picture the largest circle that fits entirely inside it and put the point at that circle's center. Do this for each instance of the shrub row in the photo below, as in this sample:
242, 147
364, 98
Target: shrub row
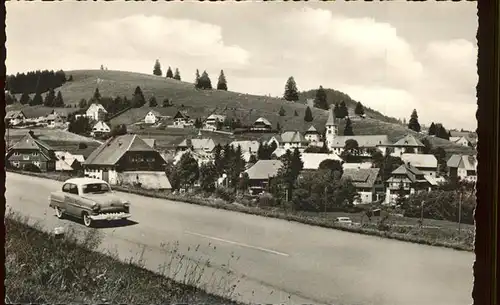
462, 242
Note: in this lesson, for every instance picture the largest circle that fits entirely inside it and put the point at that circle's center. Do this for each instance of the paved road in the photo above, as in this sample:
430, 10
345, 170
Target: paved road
279, 261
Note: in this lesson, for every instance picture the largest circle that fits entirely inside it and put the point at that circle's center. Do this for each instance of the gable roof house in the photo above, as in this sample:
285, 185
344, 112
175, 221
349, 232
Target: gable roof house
463, 167
406, 179
127, 159
30, 150
261, 173
426, 163
461, 141
312, 134
150, 142
292, 139
197, 144
152, 117
96, 112
248, 148
262, 124
100, 129
470, 136
368, 183
407, 144
313, 160
213, 122
67, 161
15, 117
182, 119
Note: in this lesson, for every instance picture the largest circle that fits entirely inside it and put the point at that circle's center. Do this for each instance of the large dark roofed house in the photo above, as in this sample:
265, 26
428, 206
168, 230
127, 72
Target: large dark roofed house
407, 144
127, 159
367, 182
410, 178
261, 173
463, 167
30, 150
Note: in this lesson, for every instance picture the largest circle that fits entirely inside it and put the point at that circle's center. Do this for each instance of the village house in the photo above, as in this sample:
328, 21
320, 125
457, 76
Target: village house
426, 163
96, 112
127, 160
461, 141
407, 145
462, 167
182, 120
214, 122
100, 129
202, 157
471, 137
313, 160
312, 135
405, 179
248, 148
15, 117
67, 162
262, 124
261, 173
366, 143
368, 183
291, 140
152, 117
54, 120
30, 150
361, 165
197, 145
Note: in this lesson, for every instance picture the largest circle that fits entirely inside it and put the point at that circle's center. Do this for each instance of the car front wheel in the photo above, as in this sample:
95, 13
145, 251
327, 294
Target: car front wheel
59, 212
87, 221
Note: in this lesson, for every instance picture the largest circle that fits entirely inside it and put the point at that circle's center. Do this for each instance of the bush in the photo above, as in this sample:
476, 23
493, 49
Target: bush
82, 145
267, 200
225, 194
30, 167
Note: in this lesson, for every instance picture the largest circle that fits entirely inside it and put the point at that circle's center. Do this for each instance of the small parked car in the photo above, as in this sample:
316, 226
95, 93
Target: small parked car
343, 220
89, 199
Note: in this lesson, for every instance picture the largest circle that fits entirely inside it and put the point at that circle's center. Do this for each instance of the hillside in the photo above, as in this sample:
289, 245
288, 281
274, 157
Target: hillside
246, 107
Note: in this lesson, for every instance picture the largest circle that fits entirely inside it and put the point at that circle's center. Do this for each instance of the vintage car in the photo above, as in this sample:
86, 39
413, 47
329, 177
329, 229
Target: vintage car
89, 199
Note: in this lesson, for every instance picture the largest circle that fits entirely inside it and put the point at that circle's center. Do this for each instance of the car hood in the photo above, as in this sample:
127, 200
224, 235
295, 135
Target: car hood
105, 200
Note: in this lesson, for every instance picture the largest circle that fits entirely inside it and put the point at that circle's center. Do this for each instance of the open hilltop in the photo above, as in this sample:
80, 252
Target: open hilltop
246, 107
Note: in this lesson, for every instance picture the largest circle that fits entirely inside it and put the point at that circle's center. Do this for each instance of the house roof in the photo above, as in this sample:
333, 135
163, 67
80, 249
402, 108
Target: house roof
219, 117
410, 171
470, 136
101, 124
198, 144
312, 130
408, 141
154, 112
313, 160
420, 160
363, 141
69, 156
181, 114
263, 120
346, 165
96, 107
362, 178
14, 114
111, 151
150, 142
457, 139
28, 142
264, 169
292, 137
462, 161
246, 146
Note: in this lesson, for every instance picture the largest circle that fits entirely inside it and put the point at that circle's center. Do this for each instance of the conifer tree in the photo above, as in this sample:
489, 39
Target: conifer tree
308, 117
291, 92
348, 128
59, 101
25, 99
169, 73
177, 74
413, 123
432, 129
222, 82
153, 102
49, 98
157, 68
282, 111
320, 101
197, 84
359, 110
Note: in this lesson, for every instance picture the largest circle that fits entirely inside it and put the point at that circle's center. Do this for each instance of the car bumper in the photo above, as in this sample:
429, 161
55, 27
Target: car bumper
110, 216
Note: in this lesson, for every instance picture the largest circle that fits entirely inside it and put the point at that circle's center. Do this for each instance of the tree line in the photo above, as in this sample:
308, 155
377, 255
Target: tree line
202, 81
35, 81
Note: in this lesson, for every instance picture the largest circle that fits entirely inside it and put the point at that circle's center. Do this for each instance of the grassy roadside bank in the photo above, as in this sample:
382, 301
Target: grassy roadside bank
442, 236
40, 268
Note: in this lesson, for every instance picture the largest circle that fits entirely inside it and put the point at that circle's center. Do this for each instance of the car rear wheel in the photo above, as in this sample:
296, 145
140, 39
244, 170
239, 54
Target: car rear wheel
59, 212
87, 221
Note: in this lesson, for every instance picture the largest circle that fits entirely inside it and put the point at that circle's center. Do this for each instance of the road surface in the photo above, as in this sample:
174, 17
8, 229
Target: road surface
275, 260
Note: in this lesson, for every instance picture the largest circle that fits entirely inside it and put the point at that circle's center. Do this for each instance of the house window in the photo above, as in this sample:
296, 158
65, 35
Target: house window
35, 153
36, 163
17, 153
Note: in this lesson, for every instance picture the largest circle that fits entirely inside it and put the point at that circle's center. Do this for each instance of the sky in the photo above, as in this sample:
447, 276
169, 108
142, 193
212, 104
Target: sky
391, 56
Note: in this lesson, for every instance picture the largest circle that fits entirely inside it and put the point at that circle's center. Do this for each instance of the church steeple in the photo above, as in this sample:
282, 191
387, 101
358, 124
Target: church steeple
331, 127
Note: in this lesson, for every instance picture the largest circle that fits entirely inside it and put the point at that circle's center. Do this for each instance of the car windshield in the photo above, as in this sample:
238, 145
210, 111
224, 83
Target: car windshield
95, 188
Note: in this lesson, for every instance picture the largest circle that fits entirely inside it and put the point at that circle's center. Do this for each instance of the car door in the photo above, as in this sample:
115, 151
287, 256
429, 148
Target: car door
71, 199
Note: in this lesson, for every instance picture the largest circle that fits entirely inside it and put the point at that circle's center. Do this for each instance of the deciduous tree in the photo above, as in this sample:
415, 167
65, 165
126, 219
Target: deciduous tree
282, 111
153, 102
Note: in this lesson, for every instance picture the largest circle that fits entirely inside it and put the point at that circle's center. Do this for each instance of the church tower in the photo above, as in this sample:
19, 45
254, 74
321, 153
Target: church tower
332, 129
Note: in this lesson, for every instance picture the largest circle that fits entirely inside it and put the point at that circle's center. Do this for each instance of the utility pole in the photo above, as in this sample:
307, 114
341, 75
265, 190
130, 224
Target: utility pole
326, 198
460, 213
422, 213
